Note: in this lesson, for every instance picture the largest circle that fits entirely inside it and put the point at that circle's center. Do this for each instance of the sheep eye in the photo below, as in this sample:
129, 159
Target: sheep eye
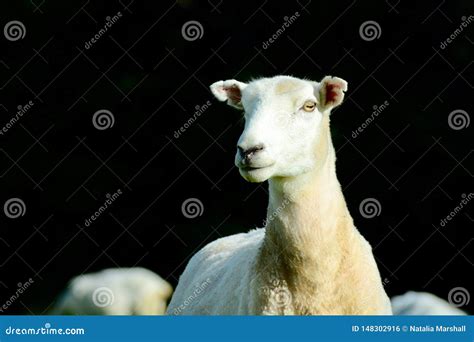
309, 106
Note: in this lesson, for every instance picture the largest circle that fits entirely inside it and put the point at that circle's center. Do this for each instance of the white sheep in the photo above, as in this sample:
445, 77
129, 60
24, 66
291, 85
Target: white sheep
423, 303
309, 258
120, 291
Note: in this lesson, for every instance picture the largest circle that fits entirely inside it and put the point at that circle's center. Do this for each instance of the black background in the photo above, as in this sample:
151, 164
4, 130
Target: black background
152, 79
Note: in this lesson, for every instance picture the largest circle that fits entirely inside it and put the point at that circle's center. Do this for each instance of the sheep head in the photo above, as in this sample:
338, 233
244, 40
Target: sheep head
284, 117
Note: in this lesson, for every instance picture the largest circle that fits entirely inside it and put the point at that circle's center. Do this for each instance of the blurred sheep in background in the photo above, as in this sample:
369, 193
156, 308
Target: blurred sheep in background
423, 303
119, 291
138, 291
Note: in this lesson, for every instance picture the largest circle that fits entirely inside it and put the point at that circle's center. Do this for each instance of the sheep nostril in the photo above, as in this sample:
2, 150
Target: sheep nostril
257, 148
248, 153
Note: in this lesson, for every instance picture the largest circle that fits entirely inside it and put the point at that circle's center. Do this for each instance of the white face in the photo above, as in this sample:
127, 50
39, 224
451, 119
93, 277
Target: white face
282, 123
283, 119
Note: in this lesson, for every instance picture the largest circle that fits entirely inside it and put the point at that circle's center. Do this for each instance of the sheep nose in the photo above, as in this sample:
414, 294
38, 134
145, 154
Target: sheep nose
248, 153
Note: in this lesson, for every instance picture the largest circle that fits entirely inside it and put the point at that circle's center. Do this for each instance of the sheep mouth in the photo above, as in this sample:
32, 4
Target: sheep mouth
250, 168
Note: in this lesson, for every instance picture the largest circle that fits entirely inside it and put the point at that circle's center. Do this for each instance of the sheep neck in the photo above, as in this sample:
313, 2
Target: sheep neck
308, 225
305, 222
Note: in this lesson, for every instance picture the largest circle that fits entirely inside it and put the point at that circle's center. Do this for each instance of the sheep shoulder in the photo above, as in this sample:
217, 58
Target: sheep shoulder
220, 278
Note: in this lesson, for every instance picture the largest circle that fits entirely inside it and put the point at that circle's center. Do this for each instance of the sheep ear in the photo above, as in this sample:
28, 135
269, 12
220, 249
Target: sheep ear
330, 92
230, 91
